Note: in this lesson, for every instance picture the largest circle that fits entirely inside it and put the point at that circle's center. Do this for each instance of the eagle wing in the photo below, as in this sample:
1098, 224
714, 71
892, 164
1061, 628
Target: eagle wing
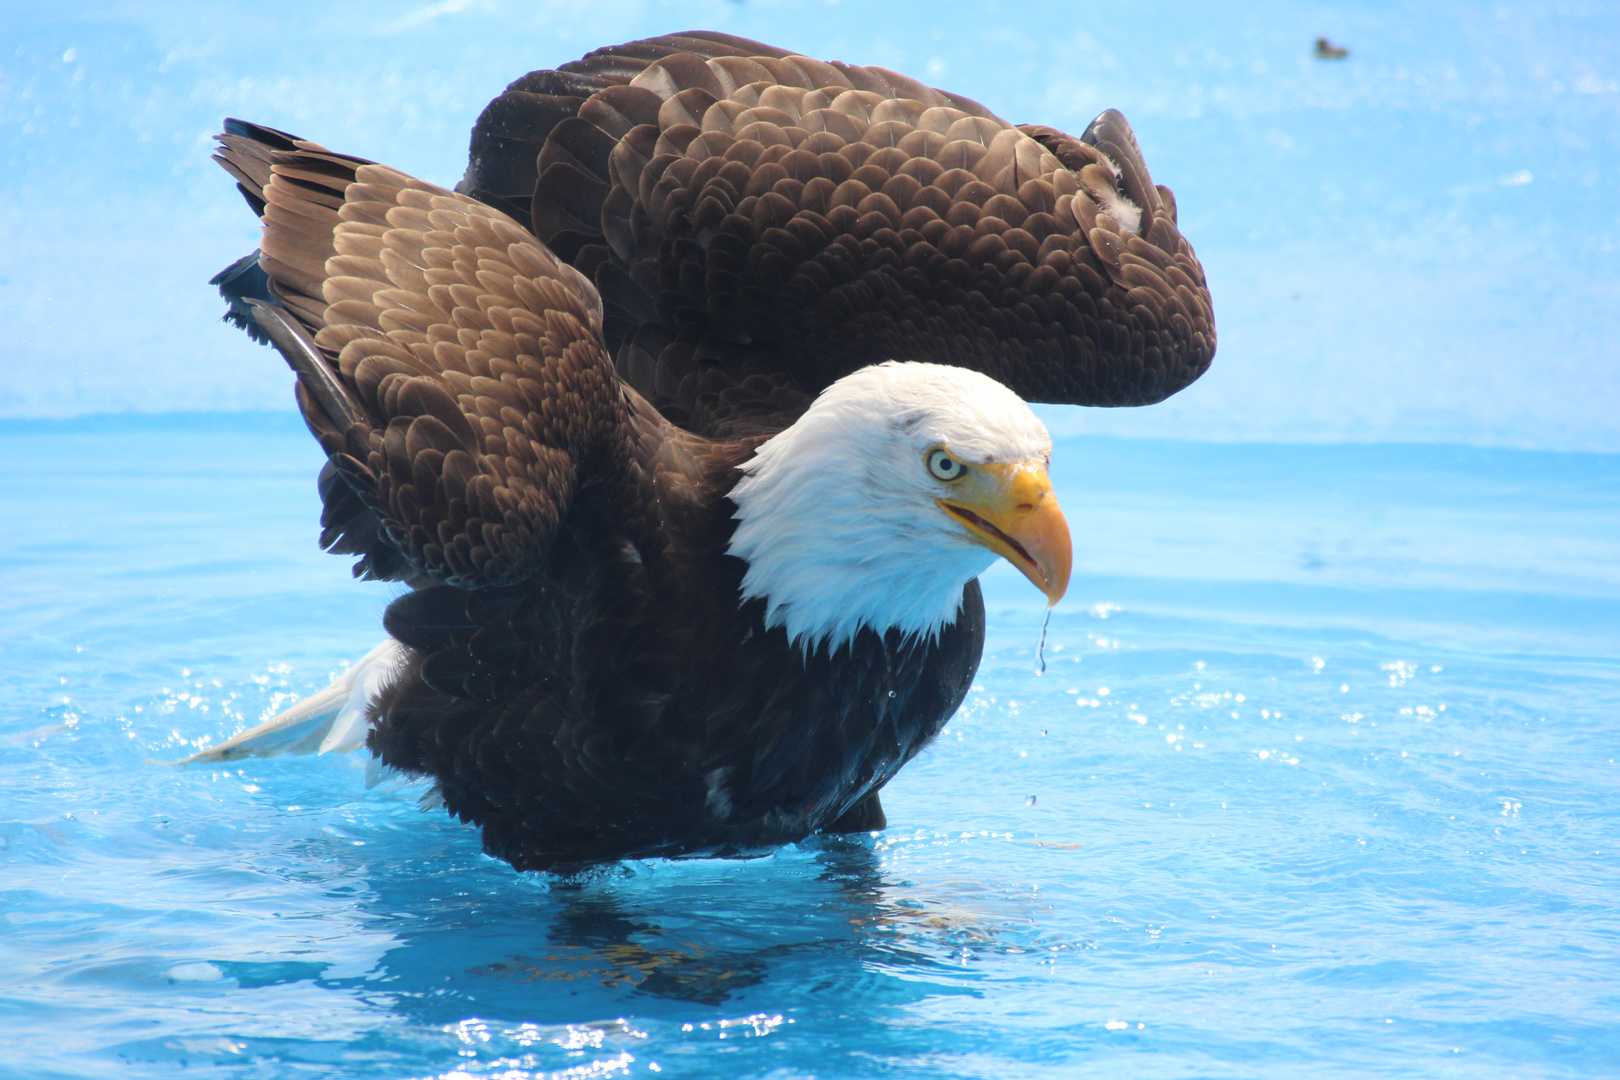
451, 367
759, 224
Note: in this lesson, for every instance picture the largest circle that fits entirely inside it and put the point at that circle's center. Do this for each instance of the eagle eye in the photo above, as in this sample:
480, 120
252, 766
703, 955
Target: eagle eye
944, 467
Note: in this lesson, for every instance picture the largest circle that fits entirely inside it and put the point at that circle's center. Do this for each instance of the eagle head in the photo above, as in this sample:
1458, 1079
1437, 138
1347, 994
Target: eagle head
900, 484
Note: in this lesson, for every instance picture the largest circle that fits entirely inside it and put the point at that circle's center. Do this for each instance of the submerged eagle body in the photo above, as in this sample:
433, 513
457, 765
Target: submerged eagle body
689, 420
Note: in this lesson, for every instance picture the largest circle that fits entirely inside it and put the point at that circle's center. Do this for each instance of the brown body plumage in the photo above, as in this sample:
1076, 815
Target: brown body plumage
547, 463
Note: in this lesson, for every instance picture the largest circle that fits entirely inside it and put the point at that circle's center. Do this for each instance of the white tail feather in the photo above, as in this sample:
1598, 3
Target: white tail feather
331, 721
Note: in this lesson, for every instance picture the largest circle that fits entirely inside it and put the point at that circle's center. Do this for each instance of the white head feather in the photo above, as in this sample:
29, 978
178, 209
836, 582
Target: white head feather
837, 518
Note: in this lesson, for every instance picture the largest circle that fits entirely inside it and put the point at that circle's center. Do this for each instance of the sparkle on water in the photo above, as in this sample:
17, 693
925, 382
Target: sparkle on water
1319, 782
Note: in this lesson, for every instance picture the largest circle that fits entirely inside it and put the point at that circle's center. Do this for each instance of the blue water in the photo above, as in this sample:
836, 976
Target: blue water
1319, 782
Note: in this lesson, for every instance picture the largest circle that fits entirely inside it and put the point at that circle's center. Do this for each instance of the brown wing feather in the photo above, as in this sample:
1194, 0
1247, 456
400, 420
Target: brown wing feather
760, 223
472, 360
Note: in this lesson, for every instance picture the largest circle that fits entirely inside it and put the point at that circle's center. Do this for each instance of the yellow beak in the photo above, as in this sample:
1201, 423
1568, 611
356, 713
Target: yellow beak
1012, 510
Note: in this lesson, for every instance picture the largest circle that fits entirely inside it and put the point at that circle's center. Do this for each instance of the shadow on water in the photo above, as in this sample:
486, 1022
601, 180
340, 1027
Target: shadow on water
671, 940
598, 934
455, 960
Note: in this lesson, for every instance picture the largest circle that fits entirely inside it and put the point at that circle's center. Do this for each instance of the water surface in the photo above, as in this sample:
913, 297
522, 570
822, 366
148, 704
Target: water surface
1319, 781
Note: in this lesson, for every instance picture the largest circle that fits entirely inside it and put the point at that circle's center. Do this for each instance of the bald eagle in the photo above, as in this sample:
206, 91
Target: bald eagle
689, 420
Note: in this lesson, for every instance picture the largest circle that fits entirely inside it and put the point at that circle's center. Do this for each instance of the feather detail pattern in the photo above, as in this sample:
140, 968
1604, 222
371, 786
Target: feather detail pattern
760, 223
471, 357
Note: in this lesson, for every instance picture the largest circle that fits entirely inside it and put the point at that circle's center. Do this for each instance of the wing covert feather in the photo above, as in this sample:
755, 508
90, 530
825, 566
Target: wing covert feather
760, 224
472, 359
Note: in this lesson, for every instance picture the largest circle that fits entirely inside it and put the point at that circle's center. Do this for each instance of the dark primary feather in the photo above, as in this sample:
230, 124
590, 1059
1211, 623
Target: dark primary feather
241, 283
534, 396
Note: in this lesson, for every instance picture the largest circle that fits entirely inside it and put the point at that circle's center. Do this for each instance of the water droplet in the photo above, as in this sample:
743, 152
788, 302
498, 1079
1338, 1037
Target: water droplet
1040, 649
1029, 800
